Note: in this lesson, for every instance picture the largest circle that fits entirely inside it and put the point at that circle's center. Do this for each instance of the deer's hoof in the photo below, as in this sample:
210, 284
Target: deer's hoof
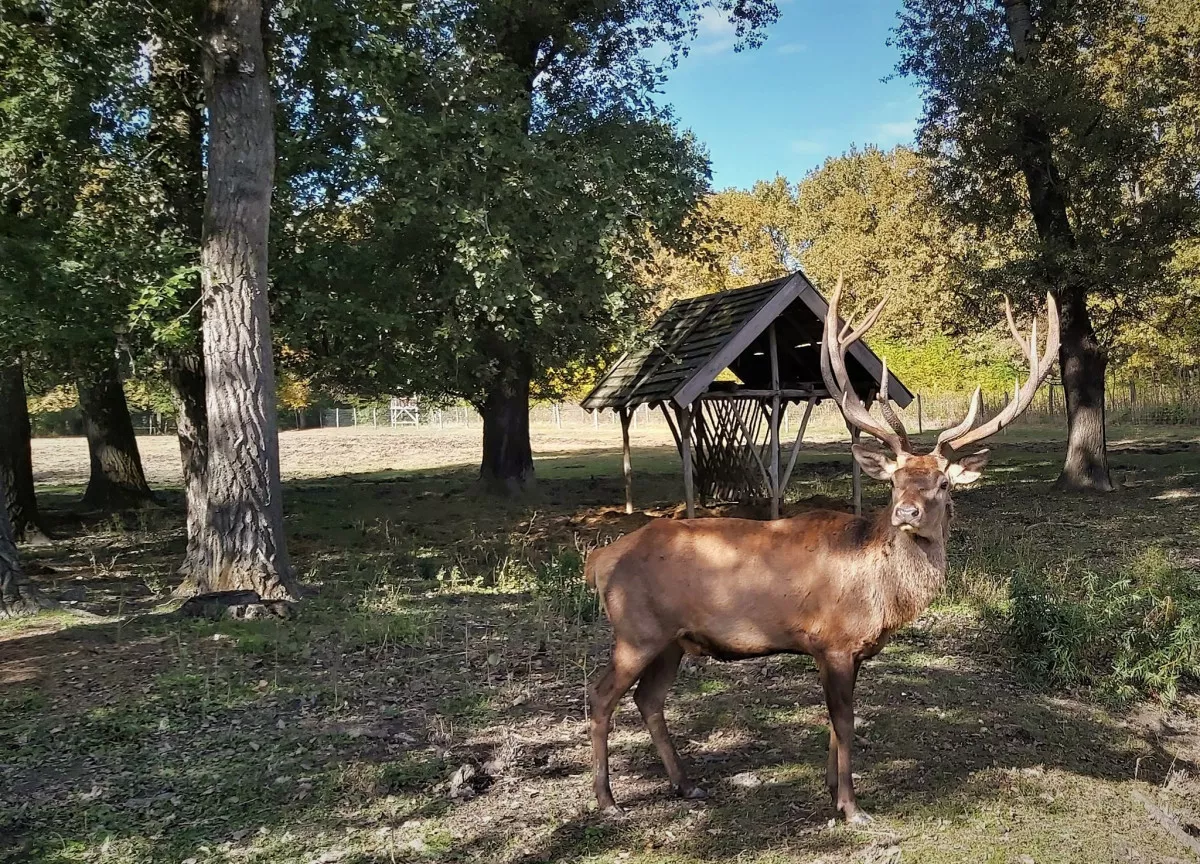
690, 792
612, 811
858, 817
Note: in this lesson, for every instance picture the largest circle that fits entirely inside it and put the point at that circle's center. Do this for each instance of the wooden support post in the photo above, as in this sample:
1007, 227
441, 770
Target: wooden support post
776, 491
856, 473
787, 475
776, 473
920, 415
685, 435
626, 462
671, 425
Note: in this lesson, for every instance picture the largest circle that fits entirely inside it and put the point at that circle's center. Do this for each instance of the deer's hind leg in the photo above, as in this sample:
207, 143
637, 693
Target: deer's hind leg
628, 663
651, 696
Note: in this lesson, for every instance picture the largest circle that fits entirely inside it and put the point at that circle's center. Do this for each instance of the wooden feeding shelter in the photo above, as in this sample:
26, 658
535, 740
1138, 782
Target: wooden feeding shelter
727, 431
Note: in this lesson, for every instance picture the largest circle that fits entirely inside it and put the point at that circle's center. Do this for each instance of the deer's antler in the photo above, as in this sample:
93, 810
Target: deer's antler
963, 435
834, 345
889, 414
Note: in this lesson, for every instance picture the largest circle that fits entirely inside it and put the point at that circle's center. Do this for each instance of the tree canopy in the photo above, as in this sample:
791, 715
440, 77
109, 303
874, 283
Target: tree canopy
469, 217
482, 200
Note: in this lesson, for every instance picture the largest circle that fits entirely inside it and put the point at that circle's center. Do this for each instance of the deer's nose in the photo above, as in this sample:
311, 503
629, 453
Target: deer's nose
907, 514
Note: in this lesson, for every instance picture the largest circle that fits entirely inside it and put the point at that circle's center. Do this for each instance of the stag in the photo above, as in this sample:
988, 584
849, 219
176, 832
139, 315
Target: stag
824, 583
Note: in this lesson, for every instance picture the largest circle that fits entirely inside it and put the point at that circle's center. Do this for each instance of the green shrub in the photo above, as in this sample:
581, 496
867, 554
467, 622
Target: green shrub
560, 581
1132, 635
557, 582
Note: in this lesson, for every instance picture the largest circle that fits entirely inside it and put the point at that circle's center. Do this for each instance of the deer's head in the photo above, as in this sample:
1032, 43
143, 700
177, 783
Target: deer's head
921, 483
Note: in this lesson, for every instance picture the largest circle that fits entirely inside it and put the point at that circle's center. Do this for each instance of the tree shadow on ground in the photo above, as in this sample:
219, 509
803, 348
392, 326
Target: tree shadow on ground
932, 742
161, 736
196, 749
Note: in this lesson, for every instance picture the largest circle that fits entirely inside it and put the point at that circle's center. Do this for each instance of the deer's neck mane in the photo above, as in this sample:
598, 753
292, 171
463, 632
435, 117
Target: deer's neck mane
913, 570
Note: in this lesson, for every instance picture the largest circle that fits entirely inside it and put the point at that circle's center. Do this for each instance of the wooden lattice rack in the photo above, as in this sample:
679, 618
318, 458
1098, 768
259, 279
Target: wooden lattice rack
727, 431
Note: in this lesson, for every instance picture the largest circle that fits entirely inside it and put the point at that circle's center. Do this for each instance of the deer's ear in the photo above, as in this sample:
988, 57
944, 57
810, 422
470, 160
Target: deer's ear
967, 469
876, 464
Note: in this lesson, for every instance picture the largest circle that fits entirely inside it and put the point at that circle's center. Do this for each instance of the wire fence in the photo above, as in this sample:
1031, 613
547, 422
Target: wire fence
1150, 403
1146, 403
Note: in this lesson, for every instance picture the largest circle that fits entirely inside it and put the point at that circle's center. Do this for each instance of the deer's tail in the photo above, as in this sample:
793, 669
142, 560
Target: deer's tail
589, 572
595, 573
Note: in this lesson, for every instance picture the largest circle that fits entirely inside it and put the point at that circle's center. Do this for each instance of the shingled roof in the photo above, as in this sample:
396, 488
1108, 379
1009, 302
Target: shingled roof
694, 340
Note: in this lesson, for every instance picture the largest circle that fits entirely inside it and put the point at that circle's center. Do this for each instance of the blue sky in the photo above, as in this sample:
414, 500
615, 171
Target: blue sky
813, 89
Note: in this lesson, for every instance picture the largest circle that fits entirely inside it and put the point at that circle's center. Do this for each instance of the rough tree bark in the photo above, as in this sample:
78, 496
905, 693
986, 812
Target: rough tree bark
18, 596
117, 480
1083, 362
507, 466
185, 373
242, 537
16, 458
1082, 359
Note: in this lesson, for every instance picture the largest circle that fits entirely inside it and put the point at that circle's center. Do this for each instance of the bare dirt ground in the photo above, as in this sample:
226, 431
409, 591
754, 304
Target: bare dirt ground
451, 635
316, 453
332, 452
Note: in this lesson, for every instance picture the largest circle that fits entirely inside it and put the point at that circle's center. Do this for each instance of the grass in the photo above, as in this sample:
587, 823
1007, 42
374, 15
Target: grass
452, 630
1136, 631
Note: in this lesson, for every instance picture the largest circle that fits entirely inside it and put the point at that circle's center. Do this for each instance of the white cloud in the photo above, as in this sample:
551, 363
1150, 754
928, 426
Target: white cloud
807, 146
904, 131
791, 48
714, 33
896, 132
657, 53
908, 104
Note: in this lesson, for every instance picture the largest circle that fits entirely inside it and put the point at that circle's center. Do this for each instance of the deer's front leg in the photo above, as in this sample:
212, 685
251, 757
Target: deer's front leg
831, 764
838, 674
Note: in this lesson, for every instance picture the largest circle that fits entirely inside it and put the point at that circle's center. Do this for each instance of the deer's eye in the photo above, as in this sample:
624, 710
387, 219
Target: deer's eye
944, 485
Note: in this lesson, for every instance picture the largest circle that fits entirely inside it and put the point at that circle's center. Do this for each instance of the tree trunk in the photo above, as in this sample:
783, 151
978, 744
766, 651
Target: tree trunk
16, 458
1083, 363
1083, 360
186, 375
242, 545
17, 595
507, 466
117, 480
